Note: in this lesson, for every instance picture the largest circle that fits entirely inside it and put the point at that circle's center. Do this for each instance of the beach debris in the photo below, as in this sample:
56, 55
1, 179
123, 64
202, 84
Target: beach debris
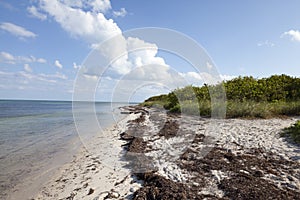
91, 191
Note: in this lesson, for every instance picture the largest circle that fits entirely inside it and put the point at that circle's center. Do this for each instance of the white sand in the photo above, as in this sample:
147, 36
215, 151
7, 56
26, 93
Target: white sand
98, 170
236, 135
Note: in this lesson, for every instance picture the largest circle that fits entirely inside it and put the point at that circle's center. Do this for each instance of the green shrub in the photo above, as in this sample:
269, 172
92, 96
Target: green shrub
245, 97
293, 132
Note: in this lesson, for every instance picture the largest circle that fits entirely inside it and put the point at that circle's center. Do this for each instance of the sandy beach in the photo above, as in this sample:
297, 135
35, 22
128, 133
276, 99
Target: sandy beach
153, 155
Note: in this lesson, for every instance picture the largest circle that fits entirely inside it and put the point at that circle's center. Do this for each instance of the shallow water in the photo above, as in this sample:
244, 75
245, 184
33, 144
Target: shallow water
39, 136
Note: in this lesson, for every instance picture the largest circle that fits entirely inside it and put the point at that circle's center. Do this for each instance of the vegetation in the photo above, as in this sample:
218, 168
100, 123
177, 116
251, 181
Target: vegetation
293, 132
245, 97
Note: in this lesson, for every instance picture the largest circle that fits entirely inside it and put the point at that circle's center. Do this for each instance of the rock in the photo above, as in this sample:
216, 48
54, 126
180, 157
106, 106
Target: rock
244, 171
91, 191
258, 173
132, 190
290, 178
289, 185
103, 195
112, 195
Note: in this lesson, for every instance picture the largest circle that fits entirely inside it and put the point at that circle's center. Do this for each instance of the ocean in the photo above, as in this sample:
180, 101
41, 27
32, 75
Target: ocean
36, 137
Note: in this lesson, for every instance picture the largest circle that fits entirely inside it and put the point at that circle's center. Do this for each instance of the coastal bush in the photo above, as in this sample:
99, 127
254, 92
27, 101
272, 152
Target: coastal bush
245, 97
293, 132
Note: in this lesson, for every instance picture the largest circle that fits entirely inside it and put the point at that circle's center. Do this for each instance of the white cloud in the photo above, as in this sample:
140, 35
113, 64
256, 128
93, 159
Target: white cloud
121, 13
11, 59
27, 68
56, 76
137, 61
33, 11
209, 65
294, 34
17, 30
101, 5
91, 77
141, 77
92, 5
58, 64
92, 27
266, 43
34, 86
73, 3
26, 77
198, 79
151, 72
192, 78
227, 77
6, 57
75, 66
41, 60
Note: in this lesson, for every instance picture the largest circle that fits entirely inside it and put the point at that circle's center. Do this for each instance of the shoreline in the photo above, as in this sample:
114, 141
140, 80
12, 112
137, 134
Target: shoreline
31, 184
94, 172
240, 141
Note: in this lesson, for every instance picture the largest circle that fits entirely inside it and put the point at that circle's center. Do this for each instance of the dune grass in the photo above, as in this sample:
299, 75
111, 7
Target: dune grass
262, 109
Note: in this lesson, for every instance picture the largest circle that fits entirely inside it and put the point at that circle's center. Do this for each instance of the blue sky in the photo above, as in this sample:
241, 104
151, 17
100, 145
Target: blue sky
44, 42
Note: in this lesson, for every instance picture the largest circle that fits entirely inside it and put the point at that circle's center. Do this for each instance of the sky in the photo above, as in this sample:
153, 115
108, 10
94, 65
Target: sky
46, 44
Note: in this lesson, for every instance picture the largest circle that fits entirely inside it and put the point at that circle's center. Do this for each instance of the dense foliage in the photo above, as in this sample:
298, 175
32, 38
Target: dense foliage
246, 97
272, 89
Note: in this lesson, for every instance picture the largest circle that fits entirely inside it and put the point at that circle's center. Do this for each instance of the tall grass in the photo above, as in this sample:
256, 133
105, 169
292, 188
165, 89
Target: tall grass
234, 109
262, 109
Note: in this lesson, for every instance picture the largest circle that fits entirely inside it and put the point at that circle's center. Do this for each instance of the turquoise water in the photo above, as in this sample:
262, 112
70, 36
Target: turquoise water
38, 135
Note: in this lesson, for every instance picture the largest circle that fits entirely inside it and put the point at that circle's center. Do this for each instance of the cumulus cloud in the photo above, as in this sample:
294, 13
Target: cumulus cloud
33, 11
293, 34
100, 5
27, 68
130, 60
143, 53
92, 5
92, 27
150, 73
16, 30
145, 76
121, 13
58, 64
135, 53
73, 4
192, 78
